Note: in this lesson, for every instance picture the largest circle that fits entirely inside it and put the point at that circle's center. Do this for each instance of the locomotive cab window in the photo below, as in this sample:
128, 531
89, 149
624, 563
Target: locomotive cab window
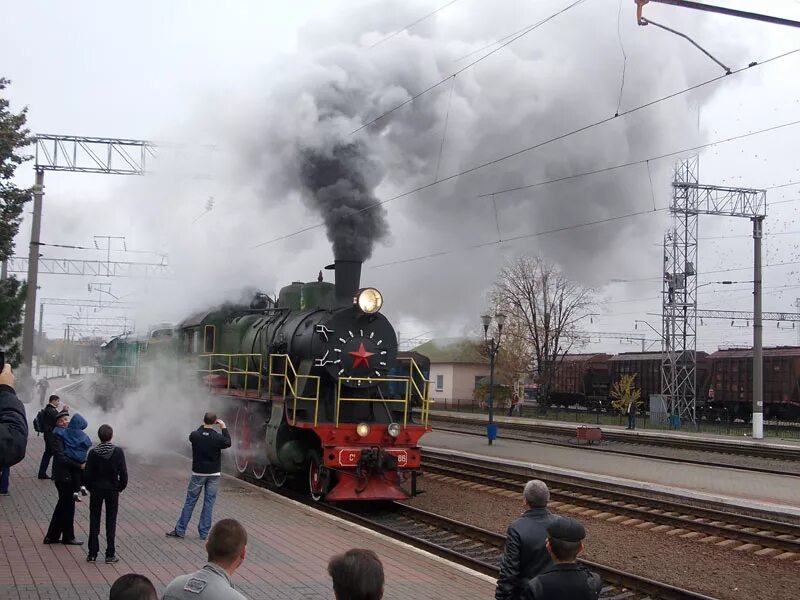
209, 338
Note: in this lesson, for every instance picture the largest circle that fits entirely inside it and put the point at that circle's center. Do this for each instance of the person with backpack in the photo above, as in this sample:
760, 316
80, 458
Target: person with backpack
106, 475
44, 423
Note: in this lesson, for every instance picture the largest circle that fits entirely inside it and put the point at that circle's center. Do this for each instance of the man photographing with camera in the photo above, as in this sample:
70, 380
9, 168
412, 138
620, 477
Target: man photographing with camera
13, 421
207, 447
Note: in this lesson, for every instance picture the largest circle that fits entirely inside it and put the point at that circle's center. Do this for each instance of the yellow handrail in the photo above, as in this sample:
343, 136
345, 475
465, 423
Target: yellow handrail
413, 368
288, 383
233, 369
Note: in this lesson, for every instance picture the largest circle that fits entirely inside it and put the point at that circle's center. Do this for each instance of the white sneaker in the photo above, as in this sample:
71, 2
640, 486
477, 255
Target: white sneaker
84, 492
76, 497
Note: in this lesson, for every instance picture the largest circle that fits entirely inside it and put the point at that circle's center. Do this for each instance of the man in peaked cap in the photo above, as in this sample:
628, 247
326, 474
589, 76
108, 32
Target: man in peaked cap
566, 579
526, 555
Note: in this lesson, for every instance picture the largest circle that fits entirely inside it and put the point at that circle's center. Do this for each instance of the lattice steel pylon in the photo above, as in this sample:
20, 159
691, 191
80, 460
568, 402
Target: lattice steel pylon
679, 288
679, 295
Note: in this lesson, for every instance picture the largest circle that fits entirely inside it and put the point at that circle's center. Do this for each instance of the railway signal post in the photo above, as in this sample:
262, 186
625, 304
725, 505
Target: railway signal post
492, 347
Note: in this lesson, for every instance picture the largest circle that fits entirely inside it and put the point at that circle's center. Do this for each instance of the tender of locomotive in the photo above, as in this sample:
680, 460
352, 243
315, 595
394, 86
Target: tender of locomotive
314, 388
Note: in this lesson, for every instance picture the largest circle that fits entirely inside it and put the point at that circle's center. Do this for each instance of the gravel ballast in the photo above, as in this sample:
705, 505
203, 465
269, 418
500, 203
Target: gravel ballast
700, 567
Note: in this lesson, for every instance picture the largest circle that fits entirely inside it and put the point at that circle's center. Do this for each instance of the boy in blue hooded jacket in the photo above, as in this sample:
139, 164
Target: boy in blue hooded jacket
76, 447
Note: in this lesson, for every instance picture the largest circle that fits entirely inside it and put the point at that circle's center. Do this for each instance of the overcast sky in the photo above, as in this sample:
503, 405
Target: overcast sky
242, 76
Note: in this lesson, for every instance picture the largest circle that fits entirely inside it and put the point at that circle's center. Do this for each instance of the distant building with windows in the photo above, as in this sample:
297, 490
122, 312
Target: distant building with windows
457, 366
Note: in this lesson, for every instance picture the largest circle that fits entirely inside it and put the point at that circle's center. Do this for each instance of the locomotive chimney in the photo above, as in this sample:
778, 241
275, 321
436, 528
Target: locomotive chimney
347, 280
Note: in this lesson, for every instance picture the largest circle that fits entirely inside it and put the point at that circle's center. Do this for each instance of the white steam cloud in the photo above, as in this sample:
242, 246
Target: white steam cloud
151, 420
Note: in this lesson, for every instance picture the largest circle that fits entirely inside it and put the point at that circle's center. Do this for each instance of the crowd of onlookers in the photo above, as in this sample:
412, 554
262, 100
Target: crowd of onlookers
539, 562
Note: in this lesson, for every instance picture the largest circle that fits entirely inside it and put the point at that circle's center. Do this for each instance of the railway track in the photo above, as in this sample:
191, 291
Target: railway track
605, 500
482, 550
470, 546
561, 436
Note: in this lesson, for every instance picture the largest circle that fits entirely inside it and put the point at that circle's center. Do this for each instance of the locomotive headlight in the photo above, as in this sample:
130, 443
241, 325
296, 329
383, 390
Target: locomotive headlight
369, 300
393, 429
362, 429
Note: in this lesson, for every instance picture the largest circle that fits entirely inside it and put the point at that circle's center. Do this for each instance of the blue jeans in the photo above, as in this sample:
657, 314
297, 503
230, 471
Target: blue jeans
197, 484
4, 477
632, 421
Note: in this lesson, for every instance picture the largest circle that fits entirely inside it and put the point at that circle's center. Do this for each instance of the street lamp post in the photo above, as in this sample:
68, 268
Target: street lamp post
492, 347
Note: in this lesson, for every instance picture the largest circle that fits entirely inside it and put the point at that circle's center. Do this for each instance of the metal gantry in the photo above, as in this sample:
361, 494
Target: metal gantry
746, 315
115, 156
83, 303
99, 268
679, 288
76, 154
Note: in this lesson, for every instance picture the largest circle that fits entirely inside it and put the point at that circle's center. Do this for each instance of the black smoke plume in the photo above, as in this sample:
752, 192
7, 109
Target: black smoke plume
341, 180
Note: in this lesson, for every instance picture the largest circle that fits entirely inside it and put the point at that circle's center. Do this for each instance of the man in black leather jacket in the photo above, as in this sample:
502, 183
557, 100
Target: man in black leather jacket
13, 422
526, 555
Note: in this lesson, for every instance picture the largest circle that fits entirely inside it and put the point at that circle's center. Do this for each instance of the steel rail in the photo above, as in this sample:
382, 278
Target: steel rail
623, 502
530, 436
707, 445
646, 588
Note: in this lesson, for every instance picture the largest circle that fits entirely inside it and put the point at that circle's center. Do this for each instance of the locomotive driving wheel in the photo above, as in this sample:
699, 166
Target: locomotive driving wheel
279, 476
259, 468
318, 477
241, 440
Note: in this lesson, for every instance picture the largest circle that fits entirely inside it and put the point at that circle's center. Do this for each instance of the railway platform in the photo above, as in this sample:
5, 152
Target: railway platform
635, 435
736, 487
288, 549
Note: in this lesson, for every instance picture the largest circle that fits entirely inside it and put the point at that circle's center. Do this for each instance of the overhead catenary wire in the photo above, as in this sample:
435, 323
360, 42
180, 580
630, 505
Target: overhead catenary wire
519, 237
624, 57
412, 24
500, 241
539, 144
644, 160
469, 66
444, 128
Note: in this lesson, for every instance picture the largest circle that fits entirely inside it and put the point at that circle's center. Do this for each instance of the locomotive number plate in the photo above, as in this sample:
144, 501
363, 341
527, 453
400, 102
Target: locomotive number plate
349, 457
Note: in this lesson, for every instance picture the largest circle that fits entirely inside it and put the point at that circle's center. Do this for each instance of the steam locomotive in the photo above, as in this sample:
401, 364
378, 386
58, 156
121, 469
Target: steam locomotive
312, 382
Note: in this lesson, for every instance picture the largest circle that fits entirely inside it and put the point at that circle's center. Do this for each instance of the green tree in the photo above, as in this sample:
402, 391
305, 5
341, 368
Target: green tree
623, 391
13, 137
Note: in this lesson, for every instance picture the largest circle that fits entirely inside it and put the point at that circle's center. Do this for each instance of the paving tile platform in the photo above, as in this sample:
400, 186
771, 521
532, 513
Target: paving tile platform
288, 550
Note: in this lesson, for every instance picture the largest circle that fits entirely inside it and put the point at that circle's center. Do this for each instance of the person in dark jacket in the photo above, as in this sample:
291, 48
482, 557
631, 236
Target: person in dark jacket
525, 555
13, 422
207, 447
106, 475
42, 385
62, 524
566, 579
76, 447
49, 423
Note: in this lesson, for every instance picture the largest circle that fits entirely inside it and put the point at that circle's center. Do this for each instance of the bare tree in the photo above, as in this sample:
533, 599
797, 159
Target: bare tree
542, 310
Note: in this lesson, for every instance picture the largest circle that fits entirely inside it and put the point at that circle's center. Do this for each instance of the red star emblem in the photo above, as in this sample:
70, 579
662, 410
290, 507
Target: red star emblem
361, 356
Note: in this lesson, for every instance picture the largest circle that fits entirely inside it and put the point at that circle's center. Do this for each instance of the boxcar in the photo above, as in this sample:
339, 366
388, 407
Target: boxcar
730, 389
581, 379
